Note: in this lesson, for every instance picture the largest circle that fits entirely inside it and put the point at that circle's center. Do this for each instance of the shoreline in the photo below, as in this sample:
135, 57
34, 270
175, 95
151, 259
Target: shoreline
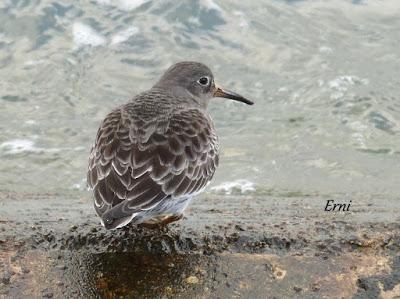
240, 246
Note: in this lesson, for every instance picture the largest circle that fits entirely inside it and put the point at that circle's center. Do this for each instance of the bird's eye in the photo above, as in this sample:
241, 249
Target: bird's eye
203, 81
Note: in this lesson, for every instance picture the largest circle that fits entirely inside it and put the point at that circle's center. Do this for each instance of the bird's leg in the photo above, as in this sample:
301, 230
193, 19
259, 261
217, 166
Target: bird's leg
163, 223
172, 218
150, 225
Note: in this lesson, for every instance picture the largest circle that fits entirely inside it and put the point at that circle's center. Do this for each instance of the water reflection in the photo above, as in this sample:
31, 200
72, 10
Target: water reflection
137, 275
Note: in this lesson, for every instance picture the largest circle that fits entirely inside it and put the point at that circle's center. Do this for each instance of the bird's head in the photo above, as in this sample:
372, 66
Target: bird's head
197, 80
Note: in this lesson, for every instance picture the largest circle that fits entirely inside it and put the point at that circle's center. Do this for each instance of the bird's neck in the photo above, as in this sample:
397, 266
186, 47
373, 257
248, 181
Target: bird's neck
184, 97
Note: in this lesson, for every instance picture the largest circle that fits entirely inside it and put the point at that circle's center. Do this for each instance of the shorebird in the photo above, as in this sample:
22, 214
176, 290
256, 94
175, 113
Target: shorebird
154, 154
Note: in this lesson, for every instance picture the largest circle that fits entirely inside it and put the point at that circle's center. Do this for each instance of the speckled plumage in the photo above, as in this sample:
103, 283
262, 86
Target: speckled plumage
152, 155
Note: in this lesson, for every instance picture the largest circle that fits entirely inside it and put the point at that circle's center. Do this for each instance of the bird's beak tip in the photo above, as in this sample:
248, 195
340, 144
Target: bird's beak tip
224, 93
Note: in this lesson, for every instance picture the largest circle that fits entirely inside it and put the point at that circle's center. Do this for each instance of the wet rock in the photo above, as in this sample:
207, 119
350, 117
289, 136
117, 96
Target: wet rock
61, 267
6, 278
192, 280
239, 228
297, 289
355, 241
287, 248
200, 271
275, 271
362, 283
315, 287
47, 293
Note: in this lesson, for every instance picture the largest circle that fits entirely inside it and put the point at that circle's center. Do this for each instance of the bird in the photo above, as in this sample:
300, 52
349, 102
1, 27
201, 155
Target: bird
152, 155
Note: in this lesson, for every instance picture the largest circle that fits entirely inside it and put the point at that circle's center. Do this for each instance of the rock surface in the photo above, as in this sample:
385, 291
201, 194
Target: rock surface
283, 245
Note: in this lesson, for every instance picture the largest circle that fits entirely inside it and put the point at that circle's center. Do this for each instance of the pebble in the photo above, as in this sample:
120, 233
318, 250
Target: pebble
239, 228
61, 267
315, 287
6, 278
47, 293
297, 289
192, 280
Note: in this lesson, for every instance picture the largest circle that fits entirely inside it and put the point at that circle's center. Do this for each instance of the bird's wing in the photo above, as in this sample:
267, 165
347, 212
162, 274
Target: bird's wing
135, 164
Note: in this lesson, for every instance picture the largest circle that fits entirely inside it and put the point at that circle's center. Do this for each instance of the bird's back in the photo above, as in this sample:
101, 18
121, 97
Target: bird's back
148, 152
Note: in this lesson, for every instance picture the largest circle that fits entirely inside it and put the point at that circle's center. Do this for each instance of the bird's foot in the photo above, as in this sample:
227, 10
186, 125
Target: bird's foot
163, 223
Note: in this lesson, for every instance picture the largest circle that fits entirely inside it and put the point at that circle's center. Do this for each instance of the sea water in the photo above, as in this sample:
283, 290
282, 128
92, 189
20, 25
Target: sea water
324, 76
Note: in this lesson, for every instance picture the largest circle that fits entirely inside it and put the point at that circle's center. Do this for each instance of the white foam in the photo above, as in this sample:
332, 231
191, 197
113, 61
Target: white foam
283, 89
239, 185
211, 5
84, 35
82, 185
79, 148
321, 163
325, 50
34, 62
124, 35
103, 2
242, 21
31, 122
360, 138
360, 134
123, 4
341, 84
17, 146
131, 4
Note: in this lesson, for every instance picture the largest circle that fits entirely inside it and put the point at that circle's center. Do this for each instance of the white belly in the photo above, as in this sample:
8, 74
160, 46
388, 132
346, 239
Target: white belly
168, 207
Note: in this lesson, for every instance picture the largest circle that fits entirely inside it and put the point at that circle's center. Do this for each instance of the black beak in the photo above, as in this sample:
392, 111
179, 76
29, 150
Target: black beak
223, 93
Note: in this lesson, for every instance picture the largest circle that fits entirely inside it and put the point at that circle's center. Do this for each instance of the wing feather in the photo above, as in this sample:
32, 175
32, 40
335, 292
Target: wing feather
136, 162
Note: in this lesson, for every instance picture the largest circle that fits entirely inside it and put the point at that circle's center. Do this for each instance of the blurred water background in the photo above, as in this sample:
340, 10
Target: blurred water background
325, 76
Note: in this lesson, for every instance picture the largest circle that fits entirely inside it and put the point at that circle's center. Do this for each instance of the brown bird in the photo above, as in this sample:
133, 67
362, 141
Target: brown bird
152, 155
